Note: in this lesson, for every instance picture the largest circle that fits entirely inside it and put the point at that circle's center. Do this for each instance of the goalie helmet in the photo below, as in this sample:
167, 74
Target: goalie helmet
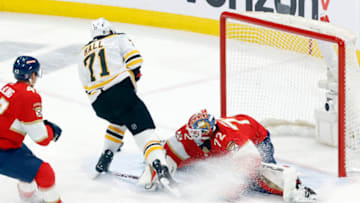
100, 27
24, 66
201, 125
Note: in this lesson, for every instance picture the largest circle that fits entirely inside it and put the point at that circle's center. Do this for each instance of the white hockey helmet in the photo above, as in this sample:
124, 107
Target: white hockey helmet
100, 27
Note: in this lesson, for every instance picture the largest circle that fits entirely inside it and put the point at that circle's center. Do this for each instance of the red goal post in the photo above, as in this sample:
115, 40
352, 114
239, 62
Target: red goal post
302, 29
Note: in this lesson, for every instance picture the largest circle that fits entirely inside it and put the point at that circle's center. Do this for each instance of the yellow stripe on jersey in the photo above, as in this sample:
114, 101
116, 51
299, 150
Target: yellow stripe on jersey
91, 93
132, 77
114, 139
113, 128
133, 59
130, 54
32, 122
88, 89
18, 131
132, 63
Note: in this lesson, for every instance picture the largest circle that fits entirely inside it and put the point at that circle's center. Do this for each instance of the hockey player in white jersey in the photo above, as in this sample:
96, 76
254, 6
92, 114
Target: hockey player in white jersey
109, 69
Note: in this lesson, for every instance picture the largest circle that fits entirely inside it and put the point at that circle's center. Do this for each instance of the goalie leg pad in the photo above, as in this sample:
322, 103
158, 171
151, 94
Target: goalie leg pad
273, 173
283, 180
276, 179
290, 178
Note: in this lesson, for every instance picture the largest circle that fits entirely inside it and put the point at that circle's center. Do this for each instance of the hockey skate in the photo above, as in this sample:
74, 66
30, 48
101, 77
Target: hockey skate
29, 197
303, 194
104, 161
34, 198
300, 194
294, 191
164, 178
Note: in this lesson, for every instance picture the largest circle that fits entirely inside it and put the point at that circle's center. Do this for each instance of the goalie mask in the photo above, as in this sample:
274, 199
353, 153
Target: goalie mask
201, 125
100, 27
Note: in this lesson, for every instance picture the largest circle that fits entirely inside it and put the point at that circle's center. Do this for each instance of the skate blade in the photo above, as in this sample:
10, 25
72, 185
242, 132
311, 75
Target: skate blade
96, 175
172, 190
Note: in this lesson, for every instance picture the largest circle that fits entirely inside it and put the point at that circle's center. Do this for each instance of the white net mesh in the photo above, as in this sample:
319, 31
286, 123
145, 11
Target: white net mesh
274, 75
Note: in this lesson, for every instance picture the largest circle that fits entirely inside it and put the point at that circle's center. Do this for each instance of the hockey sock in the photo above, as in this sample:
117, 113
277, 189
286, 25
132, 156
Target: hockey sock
150, 145
114, 137
45, 179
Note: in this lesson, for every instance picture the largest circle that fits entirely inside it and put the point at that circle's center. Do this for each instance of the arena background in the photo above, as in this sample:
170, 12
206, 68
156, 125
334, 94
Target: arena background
191, 15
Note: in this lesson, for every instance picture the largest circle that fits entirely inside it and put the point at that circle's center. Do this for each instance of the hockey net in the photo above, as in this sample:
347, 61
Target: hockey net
271, 67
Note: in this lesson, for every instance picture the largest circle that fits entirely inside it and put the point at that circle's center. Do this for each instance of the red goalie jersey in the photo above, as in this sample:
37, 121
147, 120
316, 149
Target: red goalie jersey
21, 114
230, 134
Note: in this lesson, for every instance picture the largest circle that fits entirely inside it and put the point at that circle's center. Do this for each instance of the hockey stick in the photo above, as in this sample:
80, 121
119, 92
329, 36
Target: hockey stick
173, 191
166, 185
123, 175
117, 174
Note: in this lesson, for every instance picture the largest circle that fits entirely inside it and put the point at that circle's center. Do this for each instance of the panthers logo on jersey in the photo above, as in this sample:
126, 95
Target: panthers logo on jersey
38, 110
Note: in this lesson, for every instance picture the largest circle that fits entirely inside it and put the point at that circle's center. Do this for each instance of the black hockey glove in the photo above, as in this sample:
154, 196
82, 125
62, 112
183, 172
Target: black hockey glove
55, 128
206, 146
137, 73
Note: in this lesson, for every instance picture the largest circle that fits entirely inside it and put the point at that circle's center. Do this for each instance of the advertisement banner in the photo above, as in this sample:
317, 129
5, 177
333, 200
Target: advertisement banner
200, 16
342, 13
213, 8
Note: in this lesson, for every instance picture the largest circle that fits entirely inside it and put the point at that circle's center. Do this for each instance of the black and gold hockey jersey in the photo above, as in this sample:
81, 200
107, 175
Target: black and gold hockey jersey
106, 61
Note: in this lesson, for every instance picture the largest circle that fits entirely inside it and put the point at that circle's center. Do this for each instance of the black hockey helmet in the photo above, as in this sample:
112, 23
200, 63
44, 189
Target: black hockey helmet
24, 66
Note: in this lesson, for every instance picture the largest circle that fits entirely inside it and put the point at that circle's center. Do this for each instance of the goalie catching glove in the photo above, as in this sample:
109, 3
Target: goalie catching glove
55, 128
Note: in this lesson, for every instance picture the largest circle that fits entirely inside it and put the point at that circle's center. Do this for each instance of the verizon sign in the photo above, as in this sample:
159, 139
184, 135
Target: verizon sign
339, 12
